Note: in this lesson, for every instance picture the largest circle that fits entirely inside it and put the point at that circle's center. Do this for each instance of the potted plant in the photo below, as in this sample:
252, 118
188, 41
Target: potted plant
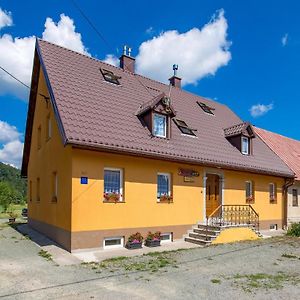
166, 198
135, 241
153, 239
112, 197
12, 217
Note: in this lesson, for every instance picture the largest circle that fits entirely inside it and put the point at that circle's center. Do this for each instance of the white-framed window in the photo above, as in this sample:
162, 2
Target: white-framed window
273, 192
273, 226
113, 181
160, 125
113, 242
295, 197
245, 145
163, 184
249, 192
166, 237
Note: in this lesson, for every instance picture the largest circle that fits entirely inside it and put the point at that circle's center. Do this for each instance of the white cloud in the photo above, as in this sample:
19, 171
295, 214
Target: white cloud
111, 59
63, 34
259, 110
198, 52
284, 40
12, 147
16, 54
5, 18
8, 132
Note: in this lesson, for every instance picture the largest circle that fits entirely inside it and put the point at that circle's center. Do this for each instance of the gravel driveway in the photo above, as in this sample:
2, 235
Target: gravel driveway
265, 269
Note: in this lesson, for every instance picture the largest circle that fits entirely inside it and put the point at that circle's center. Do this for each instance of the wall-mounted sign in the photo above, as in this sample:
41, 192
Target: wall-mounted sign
188, 173
84, 180
188, 179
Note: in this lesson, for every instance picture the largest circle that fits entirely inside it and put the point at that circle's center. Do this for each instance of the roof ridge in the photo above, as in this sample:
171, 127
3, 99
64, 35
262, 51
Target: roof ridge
281, 135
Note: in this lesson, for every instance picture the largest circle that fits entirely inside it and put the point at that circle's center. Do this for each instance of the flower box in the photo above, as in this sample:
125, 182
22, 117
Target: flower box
135, 241
166, 199
112, 197
131, 246
152, 243
153, 239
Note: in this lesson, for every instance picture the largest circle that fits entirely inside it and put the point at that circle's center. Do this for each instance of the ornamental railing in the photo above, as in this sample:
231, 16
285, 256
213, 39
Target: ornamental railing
230, 215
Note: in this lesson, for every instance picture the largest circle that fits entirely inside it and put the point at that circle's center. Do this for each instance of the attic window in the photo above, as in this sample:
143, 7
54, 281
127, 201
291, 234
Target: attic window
110, 76
183, 127
205, 108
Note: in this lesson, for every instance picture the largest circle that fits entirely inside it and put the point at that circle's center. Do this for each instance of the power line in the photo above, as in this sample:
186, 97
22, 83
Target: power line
15, 78
109, 46
21, 82
92, 25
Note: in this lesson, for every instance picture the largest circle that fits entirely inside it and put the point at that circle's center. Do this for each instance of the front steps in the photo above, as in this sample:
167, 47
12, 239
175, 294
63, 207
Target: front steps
203, 235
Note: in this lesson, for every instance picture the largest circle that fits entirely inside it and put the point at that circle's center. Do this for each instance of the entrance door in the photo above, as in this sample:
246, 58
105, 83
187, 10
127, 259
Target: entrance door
212, 193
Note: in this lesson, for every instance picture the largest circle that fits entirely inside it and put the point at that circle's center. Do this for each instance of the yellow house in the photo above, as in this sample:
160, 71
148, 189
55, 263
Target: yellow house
289, 151
109, 153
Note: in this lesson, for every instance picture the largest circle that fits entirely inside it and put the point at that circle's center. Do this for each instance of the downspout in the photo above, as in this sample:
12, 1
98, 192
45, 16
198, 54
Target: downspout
287, 183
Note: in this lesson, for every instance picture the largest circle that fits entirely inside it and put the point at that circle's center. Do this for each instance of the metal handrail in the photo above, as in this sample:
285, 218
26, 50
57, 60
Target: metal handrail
233, 214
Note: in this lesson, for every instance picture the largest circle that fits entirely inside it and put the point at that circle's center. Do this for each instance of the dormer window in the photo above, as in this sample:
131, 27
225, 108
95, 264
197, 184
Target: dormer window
240, 136
245, 145
159, 125
109, 76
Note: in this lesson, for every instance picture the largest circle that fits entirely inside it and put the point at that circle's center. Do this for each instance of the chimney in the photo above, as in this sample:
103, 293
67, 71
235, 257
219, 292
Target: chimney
127, 63
175, 80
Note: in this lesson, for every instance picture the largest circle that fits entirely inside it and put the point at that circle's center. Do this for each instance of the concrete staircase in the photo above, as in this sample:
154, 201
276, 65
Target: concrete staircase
202, 234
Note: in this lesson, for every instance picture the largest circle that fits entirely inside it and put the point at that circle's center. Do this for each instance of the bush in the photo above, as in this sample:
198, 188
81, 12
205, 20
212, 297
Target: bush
294, 230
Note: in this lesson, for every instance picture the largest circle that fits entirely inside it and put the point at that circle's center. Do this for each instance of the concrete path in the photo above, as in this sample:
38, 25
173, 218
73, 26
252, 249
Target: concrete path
59, 255
100, 254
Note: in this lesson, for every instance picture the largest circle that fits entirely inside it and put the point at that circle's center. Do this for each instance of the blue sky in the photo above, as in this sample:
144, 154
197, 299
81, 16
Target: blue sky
253, 50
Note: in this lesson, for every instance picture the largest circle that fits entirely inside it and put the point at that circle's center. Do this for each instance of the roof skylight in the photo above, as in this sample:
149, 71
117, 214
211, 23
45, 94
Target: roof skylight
206, 108
110, 76
184, 128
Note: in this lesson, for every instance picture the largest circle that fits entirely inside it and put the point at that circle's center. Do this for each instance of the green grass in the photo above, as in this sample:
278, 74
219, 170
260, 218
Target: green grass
252, 282
214, 280
17, 208
45, 254
151, 262
290, 256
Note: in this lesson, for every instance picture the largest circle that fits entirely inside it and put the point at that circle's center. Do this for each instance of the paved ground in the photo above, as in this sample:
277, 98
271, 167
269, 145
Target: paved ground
265, 269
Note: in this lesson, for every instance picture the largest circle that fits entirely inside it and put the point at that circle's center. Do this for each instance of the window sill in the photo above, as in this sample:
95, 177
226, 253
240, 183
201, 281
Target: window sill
113, 202
165, 202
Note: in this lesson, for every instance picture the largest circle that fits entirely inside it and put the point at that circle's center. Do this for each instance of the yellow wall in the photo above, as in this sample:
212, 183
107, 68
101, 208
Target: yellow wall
140, 208
235, 193
52, 157
230, 235
140, 183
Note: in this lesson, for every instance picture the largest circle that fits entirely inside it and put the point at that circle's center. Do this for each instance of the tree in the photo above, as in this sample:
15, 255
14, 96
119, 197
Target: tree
8, 195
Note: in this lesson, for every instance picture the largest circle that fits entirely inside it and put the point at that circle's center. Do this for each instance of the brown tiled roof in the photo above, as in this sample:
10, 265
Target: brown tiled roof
237, 129
97, 114
287, 149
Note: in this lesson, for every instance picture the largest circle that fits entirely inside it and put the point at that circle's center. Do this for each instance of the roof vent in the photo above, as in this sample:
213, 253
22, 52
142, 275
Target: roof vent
175, 80
127, 62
